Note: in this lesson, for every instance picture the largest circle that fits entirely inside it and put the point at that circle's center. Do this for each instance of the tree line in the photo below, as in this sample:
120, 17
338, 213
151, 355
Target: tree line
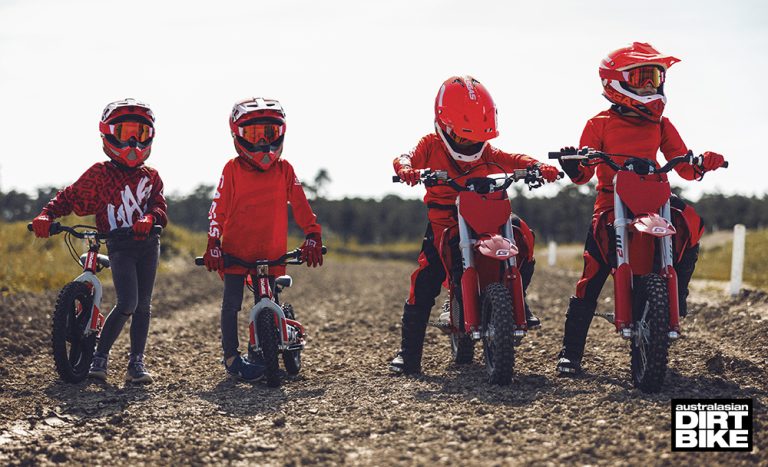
564, 217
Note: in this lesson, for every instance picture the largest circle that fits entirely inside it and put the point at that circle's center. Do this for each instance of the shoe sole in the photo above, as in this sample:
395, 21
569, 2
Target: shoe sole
97, 375
240, 378
145, 379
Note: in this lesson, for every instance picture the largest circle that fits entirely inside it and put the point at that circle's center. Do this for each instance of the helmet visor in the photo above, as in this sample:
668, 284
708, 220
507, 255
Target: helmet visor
641, 76
261, 133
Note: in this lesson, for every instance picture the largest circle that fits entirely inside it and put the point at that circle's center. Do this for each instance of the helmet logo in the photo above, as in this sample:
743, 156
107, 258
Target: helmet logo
470, 89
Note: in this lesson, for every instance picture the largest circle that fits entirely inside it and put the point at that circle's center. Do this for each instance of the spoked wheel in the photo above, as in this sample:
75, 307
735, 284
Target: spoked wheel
72, 352
498, 334
462, 345
291, 358
650, 341
269, 340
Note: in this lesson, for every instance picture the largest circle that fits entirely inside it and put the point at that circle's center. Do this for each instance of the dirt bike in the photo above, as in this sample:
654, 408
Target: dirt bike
77, 318
272, 327
645, 282
486, 297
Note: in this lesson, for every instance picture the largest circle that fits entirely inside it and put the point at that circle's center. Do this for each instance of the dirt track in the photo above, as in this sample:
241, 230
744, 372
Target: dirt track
345, 408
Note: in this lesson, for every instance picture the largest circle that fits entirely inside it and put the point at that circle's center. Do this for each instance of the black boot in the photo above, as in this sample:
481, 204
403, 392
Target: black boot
577, 320
408, 359
684, 271
526, 273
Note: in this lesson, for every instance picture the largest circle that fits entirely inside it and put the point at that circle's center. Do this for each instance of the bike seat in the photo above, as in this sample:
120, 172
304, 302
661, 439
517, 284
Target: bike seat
284, 281
103, 260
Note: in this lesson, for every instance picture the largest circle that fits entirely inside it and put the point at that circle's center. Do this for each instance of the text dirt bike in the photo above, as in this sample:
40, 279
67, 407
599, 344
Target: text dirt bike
272, 327
645, 282
486, 297
77, 317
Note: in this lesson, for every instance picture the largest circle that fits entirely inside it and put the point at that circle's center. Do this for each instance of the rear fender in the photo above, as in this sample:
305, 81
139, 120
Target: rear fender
496, 247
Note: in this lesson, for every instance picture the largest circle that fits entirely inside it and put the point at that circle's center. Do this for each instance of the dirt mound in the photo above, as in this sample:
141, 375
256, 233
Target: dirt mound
344, 407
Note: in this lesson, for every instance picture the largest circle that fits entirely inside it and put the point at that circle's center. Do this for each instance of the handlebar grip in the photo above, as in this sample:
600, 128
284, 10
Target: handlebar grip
199, 261
156, 229
324, 250
725, 165
555, 155
29, 227
396, 179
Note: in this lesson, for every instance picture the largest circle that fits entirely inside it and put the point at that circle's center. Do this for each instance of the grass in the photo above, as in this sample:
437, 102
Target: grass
715, 263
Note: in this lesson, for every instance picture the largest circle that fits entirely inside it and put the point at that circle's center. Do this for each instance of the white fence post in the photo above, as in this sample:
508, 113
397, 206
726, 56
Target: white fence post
737, 260
552, 256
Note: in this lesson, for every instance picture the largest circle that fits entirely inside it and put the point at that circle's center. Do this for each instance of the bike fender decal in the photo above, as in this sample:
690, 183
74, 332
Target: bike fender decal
653, 224
496, 247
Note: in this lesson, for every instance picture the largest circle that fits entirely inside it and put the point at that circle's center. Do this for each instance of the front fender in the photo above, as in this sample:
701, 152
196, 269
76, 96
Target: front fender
653, 224
266, 303
495, 246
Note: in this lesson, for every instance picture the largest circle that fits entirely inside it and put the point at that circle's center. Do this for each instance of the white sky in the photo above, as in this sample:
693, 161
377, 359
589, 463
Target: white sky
358, 79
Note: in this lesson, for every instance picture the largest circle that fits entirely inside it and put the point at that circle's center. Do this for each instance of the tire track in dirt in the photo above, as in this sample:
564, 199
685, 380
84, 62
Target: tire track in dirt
344, 407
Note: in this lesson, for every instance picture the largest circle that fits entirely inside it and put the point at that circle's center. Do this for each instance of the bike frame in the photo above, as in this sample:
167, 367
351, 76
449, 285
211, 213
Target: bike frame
649, 226
291, 331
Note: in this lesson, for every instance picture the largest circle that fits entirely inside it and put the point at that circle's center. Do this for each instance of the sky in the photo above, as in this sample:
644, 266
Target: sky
358, 80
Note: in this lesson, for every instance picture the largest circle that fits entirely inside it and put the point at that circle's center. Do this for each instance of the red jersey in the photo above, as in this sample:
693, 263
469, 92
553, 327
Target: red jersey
117, 196
430, 153
613, 133
249, 213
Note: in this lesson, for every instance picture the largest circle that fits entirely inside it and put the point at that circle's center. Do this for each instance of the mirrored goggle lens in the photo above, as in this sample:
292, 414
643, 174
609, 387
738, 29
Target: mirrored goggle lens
644, 75
124, 131
262, 133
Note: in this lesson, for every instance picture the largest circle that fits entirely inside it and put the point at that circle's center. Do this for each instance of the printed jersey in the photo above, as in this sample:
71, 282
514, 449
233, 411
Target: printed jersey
614, 133
249, 213
117, 196
431, 153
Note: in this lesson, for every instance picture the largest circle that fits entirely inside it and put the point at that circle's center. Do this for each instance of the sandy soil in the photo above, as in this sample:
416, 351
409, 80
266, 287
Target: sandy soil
344, 407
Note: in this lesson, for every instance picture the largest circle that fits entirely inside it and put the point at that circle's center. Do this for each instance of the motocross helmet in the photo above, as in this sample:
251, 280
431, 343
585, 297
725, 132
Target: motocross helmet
635, 66
465, 117
258, 129
127, 129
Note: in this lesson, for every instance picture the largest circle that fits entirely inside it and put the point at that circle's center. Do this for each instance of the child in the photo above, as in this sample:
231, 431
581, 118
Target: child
465, 120
249, 215
121, 192
633, 80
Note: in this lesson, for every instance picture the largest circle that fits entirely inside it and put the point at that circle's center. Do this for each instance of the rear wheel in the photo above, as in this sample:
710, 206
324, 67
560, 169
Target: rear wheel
266, 330
498, 334
291, 358
650, 341
72, 352
462, 345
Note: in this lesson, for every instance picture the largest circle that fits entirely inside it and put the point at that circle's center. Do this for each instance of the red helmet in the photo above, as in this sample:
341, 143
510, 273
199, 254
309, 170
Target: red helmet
258, 127
634, 66
465, 117
127, 129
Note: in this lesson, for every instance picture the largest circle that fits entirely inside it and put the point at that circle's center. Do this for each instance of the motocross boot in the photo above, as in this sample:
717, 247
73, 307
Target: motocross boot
408, 359
684, 271
577, 320
526, 273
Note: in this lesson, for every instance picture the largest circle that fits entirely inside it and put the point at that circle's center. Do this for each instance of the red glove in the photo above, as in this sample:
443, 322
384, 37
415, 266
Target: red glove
408, 175
142, 226
213, 257
41, 225
712, 160
312, 250
548, 172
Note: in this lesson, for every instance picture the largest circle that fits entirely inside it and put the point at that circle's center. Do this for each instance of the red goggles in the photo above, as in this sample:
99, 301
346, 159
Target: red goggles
261, 133
637, 77
124, 131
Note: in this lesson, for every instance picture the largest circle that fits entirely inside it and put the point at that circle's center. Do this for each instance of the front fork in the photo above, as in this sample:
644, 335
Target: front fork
623, 275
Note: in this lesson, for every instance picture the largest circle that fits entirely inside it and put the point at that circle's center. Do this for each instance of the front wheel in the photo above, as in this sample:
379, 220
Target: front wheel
269, 340
650, 341
291, 358
72, 352
498, 334
462, 345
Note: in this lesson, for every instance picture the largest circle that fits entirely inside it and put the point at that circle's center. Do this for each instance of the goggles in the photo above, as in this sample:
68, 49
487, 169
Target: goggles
637, 77
124, 131
261, 133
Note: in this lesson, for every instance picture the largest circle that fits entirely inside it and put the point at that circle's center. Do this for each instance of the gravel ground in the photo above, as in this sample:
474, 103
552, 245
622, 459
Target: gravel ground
344, 407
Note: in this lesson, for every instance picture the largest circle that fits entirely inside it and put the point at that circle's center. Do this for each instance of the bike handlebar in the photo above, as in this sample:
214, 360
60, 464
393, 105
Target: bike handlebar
292, 257
586, 154
531, 176
122, 232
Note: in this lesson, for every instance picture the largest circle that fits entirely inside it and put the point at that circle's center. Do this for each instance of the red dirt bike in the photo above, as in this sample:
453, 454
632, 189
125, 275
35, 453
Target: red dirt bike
77, 317
272, 328
486, 300
645, 282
